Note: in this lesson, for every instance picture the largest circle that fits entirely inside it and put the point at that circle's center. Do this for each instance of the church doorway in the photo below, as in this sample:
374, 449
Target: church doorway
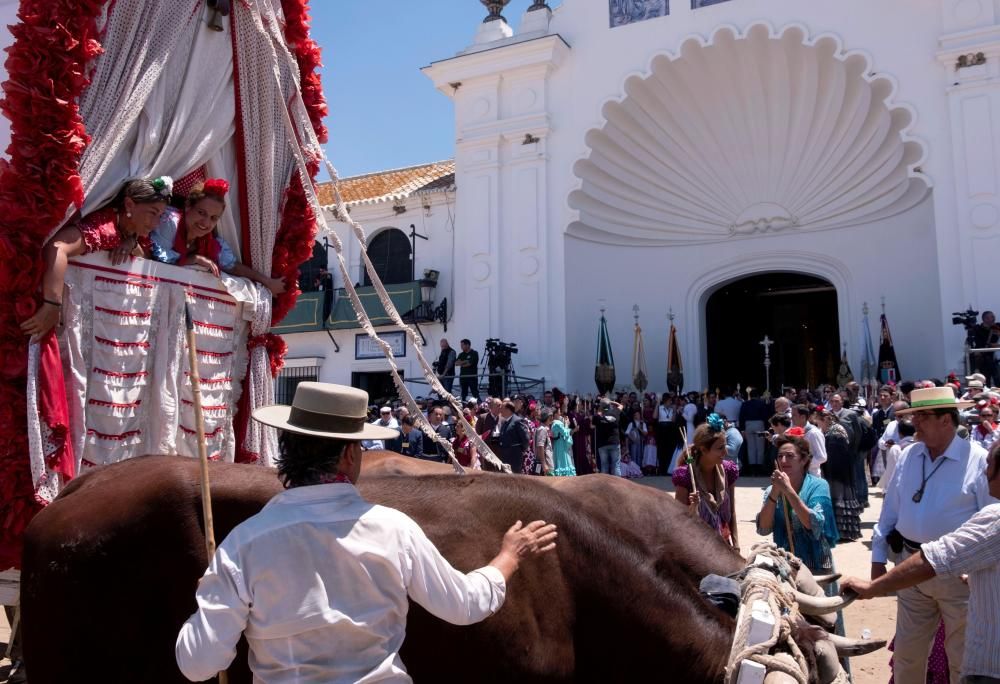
798, 312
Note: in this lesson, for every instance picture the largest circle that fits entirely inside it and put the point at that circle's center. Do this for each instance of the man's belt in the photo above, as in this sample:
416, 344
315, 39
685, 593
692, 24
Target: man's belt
898, 542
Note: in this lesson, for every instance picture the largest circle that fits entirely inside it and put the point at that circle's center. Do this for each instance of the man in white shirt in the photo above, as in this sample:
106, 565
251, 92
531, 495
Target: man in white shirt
729, 408
385, 420
319, 580
814, 436
973, 549
939, 484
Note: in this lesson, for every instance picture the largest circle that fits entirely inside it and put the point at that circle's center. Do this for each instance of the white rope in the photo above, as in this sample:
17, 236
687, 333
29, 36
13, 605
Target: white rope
305, 127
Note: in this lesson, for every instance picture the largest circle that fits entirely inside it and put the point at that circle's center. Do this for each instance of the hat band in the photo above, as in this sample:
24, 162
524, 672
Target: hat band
324, 422
934, 403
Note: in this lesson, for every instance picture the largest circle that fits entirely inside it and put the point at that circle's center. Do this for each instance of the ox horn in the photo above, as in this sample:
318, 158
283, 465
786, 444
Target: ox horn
823, 580
828, 667
847, 648
821, 605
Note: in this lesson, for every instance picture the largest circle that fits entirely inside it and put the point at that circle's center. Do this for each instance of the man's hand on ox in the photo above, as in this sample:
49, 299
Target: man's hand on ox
522, 541
863, 588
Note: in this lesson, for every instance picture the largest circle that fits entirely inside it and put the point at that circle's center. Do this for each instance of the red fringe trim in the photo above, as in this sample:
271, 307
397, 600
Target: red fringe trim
46, 67
113, 374
108, 404
133, 283
189, 431
213, 326
114, 438
129, 314
116, 343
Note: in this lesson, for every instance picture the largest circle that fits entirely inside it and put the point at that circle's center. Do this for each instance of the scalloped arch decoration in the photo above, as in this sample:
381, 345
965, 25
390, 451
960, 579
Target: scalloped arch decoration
743, 135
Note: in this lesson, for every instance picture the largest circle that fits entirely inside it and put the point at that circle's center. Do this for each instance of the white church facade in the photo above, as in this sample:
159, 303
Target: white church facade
754, 166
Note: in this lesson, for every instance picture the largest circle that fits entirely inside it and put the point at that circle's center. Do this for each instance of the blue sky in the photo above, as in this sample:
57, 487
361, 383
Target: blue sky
384, 113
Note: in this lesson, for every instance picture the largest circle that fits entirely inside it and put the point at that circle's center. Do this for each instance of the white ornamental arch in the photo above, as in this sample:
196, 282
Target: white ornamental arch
747, 133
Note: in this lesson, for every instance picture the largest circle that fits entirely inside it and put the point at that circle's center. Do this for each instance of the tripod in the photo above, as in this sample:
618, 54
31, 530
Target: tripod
502, 378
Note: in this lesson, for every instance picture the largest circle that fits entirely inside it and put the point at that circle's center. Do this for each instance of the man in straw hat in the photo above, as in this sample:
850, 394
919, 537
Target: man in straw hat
972, 549
939, 483
319, 579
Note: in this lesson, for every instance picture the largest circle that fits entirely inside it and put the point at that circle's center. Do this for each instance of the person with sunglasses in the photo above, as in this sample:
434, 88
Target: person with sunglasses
939, 484
986, 432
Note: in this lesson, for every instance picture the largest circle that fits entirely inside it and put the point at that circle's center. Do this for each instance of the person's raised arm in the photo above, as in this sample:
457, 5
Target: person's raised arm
467, 598
67, 243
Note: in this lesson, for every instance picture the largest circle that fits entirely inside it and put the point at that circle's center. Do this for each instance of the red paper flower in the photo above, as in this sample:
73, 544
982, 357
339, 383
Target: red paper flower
217, 187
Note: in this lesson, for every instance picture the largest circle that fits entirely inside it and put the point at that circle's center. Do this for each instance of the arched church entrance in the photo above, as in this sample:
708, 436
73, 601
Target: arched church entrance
798, 312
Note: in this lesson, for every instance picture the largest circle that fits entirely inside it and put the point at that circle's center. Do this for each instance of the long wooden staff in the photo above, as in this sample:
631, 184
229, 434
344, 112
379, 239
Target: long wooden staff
684, 459
206, 487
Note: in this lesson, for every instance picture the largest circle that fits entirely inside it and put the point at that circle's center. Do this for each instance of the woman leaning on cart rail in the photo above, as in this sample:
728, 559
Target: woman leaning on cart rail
123, 228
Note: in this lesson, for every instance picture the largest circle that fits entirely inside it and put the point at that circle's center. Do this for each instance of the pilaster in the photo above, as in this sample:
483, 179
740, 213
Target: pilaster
502, 255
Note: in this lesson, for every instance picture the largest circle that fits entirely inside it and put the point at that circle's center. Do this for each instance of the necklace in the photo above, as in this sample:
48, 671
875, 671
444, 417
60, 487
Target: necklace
919, 495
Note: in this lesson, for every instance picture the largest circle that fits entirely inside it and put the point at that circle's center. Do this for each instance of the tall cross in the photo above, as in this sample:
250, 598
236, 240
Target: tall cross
766, 344
671, 315
635, 313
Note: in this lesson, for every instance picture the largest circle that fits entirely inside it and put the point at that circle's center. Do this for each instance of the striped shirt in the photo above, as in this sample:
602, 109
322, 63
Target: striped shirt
974, 549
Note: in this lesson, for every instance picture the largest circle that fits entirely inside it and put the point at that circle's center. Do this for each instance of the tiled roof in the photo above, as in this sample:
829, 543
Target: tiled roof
382, 186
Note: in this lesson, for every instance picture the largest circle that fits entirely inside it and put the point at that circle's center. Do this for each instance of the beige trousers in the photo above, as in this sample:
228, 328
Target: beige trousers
919, 610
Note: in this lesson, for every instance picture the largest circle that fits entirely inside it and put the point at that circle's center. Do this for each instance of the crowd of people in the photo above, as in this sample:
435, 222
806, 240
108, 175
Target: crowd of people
923, 443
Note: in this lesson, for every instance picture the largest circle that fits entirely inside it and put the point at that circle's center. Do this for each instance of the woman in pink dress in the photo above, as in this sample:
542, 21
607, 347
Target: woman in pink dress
122, 228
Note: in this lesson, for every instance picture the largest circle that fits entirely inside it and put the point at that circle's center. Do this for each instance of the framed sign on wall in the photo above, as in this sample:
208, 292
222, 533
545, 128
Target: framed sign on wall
366, 348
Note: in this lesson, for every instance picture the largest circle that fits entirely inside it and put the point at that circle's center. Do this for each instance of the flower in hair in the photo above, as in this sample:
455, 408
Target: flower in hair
164, 186
795, 432
217, 187
716, 422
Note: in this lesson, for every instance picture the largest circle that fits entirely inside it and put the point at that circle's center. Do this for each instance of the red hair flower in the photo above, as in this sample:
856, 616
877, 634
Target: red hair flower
217, 187
795, 432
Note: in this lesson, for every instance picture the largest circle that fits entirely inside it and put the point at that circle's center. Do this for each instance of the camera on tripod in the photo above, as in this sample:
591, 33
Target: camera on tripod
498, 354
969, 319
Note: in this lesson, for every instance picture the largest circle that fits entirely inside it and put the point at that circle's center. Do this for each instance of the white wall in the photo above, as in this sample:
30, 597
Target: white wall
894, 258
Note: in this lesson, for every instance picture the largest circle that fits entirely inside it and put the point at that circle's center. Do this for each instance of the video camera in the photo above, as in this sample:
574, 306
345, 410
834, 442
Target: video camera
969, 319
498, 354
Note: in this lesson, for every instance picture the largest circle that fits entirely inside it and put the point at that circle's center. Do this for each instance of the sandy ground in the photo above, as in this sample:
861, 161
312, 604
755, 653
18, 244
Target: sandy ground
878, 615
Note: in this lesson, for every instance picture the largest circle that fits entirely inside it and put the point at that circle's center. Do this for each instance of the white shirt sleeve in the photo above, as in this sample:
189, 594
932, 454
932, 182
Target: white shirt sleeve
891, 434
973, 546
817, 446
446, 593
207, 642
887, 519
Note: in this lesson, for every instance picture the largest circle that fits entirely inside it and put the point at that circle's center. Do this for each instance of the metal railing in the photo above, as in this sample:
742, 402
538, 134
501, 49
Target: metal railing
969, 351
509, 384
289, 378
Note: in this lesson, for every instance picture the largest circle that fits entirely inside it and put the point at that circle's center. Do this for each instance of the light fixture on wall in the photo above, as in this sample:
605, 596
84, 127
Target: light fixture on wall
530, 139
399, 208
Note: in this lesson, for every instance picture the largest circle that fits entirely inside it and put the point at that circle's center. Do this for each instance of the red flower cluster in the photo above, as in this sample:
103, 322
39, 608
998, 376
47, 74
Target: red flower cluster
307, 53
217, 187
276, 350
47, 69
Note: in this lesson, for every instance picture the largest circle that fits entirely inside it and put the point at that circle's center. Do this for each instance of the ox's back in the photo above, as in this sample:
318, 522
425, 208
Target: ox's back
111, 567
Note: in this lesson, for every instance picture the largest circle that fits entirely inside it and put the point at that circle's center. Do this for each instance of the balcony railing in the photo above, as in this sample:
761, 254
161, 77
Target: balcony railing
307, 316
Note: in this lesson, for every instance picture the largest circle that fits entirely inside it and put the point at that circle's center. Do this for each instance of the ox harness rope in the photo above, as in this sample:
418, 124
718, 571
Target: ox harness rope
769, 578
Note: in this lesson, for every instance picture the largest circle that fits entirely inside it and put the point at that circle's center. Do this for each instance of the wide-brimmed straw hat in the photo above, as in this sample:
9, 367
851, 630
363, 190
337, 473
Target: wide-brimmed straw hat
933, 398
322, 409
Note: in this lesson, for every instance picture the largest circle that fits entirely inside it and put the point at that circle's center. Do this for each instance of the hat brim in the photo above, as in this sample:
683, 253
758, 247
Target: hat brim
277, 417
958, 406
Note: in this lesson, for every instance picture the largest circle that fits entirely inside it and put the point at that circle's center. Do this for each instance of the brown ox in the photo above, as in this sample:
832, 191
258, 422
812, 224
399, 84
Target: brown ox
110, 570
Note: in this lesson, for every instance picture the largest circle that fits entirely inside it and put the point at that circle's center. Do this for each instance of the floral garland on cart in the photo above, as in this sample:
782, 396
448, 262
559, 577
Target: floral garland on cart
47, 66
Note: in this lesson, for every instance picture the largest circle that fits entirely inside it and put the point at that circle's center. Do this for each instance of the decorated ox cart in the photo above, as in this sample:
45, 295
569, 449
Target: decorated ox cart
102, 91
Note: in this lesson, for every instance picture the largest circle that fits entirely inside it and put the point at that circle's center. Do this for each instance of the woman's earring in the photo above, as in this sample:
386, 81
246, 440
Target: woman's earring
128, 214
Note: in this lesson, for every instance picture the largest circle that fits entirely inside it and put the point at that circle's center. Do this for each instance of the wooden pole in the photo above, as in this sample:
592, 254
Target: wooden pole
199, 421
786, 509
